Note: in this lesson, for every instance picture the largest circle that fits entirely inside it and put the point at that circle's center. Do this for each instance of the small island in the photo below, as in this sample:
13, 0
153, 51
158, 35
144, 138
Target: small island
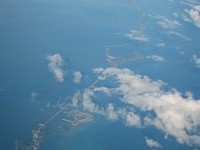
76, 117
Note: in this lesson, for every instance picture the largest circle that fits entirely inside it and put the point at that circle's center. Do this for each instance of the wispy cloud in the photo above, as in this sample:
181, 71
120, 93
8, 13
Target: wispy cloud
196, 61
184, 37
175, 14
167, 23
186, 18
56, 64
138, 36
34, 96
152, 143
160, 45
156, 58
191, 3
77, 77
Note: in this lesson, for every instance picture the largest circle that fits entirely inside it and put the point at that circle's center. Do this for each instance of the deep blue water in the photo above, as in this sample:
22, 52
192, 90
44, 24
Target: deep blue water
79, 31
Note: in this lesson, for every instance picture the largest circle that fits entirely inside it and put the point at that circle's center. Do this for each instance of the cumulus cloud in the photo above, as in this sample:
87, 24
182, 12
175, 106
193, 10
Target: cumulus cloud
105, 90
156, 58
88, 103
196, 61
77, 77
194, 16
152, 143
56, 64
170, 111
155, 106
138, 36
108, 110
76, 98
111, 113
167, 23
130, 118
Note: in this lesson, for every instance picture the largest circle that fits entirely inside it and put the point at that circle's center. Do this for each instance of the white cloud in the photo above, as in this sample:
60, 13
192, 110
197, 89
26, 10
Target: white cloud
152, 143
111, 113
156, 58
161, 45
55, 65
108, 110
167, 23
132, 119
169, 111
194, 16
88, 104
105, 90
76, 98
138, 36
196, 61
34, 96
77, 77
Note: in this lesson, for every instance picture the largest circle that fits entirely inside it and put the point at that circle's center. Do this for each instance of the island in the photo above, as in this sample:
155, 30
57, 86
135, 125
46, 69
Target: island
76, 117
